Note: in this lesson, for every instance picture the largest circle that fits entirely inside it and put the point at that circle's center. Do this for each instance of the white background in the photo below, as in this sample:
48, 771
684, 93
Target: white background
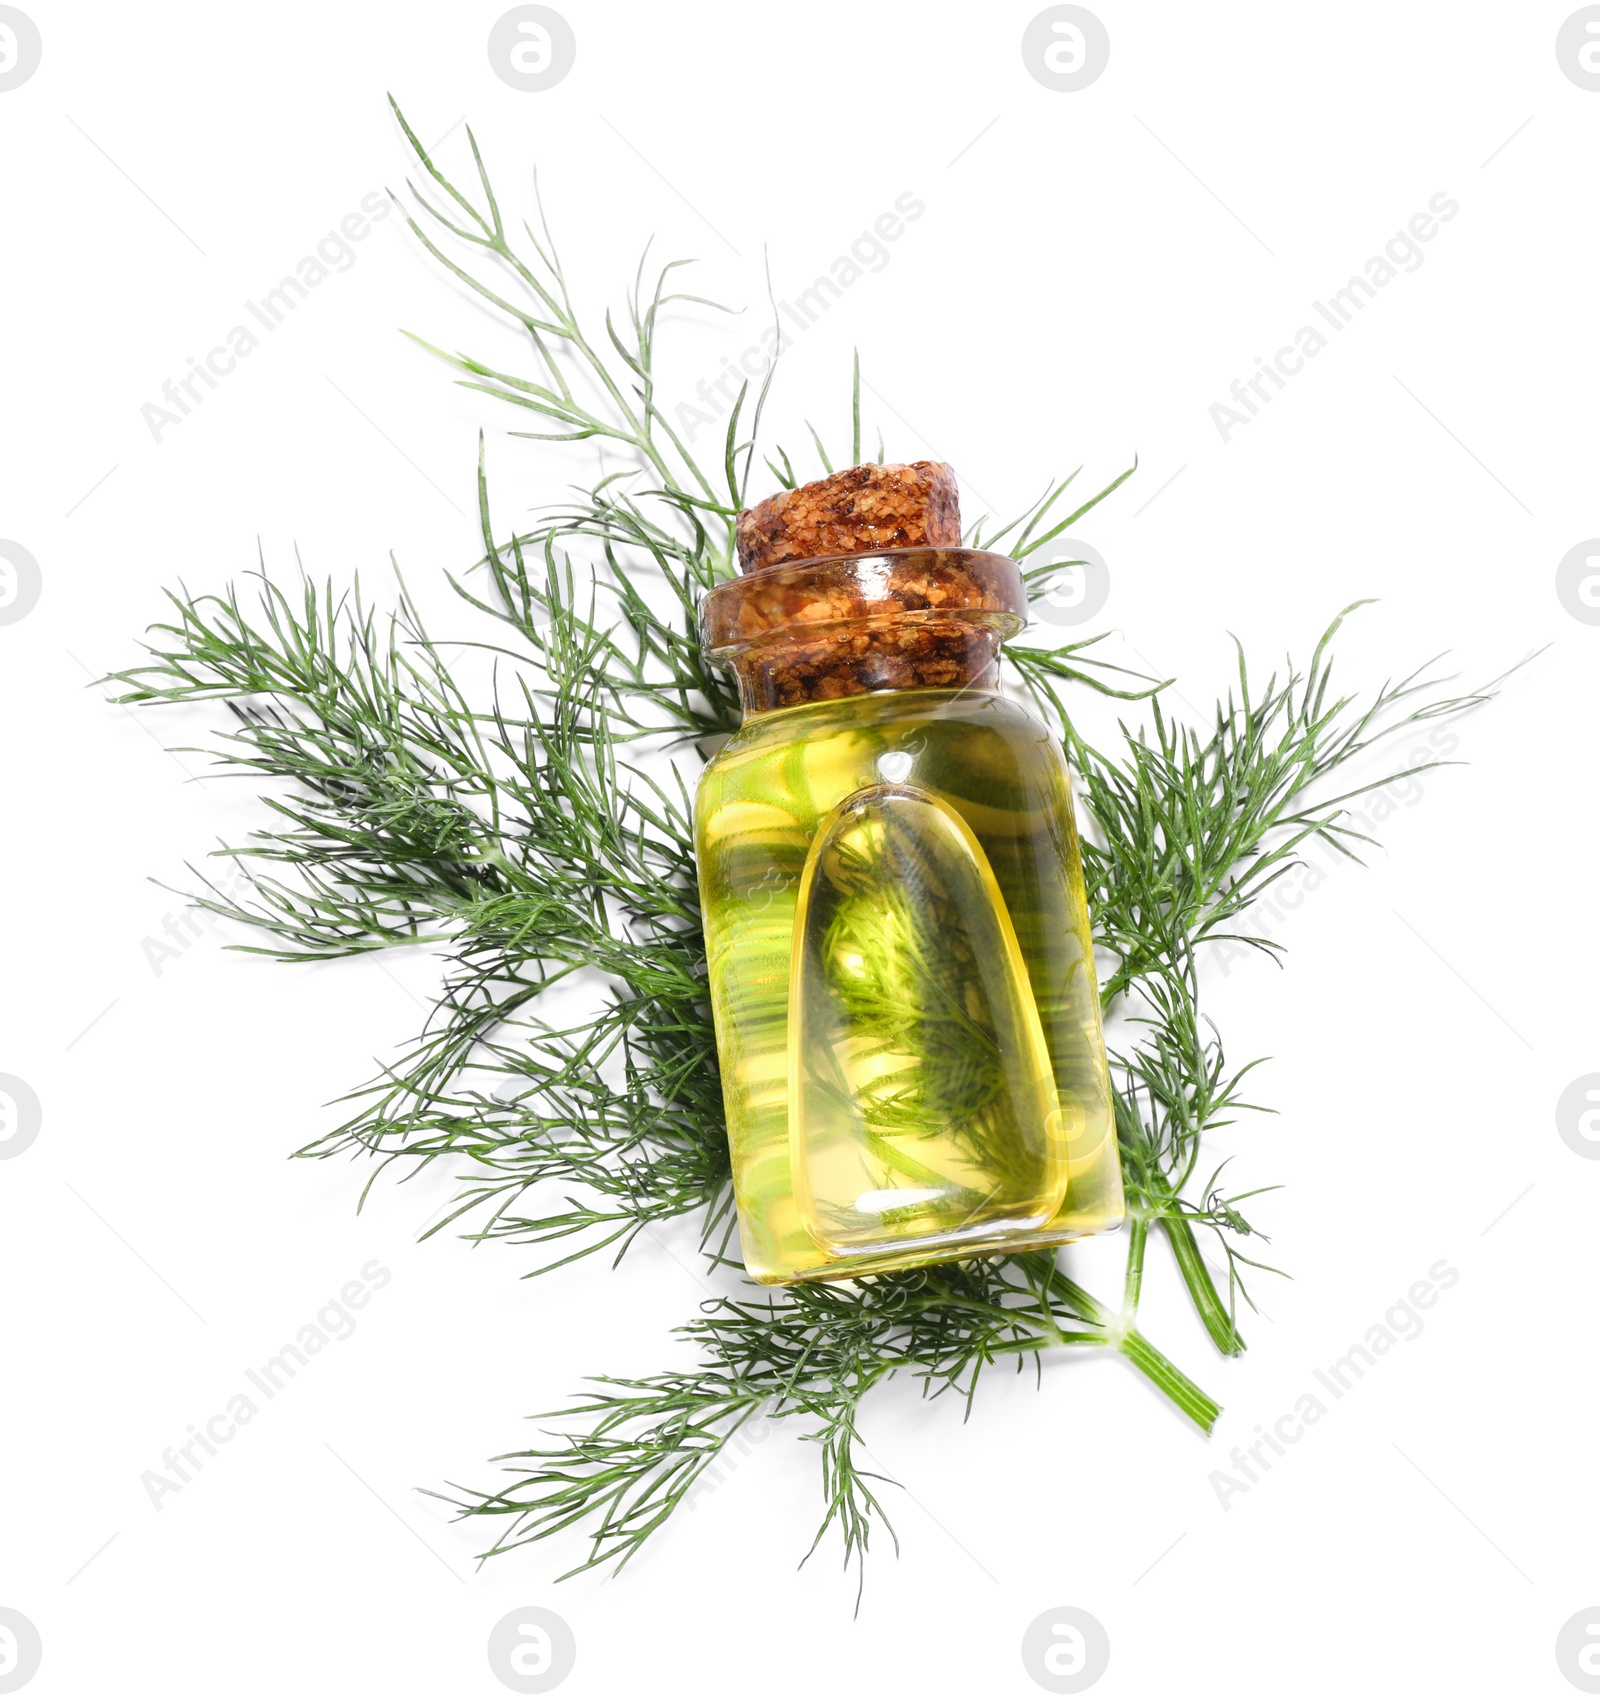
1090, 275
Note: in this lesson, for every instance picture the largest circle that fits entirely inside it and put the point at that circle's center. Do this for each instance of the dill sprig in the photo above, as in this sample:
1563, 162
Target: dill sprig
538, 835
645, 1445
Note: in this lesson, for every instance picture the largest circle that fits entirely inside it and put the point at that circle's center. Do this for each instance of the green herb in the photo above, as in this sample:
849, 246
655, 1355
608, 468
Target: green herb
518, 837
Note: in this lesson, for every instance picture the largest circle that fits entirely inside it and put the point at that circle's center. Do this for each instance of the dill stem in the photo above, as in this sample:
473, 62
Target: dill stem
1118, 1331
1193, 1401
1197, 1278
1138, 1236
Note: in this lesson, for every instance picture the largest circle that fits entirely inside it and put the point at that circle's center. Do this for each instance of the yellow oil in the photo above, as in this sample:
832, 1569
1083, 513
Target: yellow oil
907, 1017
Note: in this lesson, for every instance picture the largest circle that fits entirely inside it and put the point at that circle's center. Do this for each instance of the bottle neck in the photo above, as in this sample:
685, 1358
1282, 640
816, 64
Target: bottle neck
845, 625
867, 656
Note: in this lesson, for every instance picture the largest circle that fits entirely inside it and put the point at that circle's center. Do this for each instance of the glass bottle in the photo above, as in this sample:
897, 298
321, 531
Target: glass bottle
906, 1007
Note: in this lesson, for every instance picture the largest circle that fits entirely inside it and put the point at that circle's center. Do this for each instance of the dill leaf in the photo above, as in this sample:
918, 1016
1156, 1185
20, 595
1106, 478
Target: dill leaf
538, 835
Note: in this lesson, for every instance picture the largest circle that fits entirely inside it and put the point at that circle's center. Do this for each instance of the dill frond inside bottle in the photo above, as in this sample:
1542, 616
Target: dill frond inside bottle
907, 1014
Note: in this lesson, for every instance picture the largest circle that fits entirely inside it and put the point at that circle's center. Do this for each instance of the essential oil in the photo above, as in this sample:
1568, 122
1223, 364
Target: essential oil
907, 1013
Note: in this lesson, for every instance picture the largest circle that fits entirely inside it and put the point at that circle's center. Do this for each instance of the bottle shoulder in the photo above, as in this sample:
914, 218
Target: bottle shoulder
895, 714
979, 749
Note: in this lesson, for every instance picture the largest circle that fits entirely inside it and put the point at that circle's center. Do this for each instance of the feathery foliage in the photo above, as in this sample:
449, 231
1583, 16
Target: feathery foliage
539, 837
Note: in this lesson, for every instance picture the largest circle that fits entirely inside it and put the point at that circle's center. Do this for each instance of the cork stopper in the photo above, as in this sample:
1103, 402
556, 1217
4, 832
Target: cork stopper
863, 508
859, 583
906, 619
